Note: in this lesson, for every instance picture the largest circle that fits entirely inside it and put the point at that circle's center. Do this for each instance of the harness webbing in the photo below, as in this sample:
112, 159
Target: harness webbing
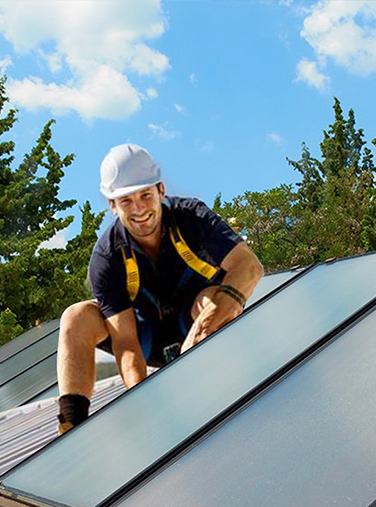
201, 267
133, 274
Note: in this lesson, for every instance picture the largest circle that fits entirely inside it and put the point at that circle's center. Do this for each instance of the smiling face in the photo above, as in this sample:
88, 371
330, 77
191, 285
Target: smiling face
141, 213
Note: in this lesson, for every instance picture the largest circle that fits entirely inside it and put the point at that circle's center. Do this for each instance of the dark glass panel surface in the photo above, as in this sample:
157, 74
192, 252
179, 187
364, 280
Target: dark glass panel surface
49, 393
25, 339
28, 384
308, 441
140, 427
28, 356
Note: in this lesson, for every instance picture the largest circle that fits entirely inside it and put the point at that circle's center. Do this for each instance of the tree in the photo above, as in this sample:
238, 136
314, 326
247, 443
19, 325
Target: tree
9, 328
336, 212
267, 221
36, 284
332, 212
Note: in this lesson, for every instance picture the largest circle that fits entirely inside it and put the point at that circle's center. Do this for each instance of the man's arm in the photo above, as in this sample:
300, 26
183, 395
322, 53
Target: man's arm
126, 347
243, 272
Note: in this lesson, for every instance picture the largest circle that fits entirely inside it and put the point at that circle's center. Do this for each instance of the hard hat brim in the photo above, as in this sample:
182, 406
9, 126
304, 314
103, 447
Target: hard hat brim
124, 191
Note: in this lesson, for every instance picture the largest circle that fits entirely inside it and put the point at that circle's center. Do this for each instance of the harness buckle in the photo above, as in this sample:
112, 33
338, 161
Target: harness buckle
171, 352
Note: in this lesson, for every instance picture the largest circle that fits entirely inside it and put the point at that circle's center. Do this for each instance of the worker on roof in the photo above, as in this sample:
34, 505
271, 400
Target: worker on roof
166, 274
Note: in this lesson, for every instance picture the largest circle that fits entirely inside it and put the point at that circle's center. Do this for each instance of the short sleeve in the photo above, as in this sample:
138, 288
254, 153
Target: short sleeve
108, 282
212, 235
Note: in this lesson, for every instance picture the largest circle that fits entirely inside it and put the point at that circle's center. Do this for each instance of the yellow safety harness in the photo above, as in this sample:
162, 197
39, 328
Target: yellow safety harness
133, 274
200, 266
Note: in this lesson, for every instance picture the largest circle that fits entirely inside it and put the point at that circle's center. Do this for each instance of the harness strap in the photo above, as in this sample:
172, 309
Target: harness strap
202, 267
133, 274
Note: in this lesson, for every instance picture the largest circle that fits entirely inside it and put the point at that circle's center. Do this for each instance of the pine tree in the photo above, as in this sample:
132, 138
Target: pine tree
331, 214
37, 284
336, 214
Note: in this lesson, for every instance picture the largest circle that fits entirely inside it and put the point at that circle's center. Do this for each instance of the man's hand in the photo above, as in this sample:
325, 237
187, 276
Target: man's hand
213, 309
218, 311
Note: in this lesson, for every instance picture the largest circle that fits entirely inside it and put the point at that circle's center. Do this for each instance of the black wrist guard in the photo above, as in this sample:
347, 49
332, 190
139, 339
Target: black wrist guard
234, 293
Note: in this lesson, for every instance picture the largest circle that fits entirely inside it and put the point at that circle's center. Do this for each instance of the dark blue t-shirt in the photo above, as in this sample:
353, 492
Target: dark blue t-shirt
205, 232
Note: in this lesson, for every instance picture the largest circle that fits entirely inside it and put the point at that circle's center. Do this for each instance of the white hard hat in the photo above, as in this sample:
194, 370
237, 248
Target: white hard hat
127, 168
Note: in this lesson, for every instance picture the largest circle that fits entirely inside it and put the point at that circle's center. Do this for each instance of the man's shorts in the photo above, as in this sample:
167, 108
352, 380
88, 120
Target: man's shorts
157, 331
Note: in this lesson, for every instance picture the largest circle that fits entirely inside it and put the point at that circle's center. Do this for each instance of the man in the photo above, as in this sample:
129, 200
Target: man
166, 274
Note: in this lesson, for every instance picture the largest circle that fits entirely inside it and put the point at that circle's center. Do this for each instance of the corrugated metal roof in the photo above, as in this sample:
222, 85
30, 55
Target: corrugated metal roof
24, 430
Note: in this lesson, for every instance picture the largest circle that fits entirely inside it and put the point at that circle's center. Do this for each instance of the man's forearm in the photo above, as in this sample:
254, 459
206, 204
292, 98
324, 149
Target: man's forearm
243, 270
131, 363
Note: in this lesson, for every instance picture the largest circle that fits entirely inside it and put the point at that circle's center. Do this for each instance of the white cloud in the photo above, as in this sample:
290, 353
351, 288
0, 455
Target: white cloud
108, 94
193, 79
276, 138
5, 63
180, 109
307, 71
57, 241
53, 60
163, 131
208, 147
101, 45
152, 93
343, 31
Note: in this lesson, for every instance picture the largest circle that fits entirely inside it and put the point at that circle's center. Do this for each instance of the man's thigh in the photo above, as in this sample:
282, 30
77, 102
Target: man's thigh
147, 331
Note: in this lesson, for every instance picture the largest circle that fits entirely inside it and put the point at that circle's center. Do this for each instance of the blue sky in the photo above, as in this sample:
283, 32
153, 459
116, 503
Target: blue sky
219, 91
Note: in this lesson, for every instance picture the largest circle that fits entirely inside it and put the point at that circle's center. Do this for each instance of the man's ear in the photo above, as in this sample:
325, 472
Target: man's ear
161, 190
111, 202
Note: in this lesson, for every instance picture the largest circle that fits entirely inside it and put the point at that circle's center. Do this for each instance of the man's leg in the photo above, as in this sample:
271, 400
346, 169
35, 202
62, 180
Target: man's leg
82, 327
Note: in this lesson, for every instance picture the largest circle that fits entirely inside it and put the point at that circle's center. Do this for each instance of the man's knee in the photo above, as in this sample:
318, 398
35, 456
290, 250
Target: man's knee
83, 320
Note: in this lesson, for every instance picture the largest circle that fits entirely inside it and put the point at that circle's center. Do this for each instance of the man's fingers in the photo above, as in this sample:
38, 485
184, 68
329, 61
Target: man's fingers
205, 324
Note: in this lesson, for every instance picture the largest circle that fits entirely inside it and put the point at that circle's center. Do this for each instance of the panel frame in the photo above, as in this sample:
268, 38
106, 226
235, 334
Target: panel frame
238, 405
257, 303
250, 398
257, 391
300, 271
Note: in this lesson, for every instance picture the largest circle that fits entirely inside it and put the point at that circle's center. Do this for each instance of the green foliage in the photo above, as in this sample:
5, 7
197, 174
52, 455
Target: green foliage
332, 213
267, 221
36, 284
9, 328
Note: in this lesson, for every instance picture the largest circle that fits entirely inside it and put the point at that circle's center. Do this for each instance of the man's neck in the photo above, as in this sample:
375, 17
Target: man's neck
151, 245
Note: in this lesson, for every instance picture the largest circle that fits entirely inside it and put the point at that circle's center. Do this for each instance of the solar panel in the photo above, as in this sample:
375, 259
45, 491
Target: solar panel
269, 283
28, 356
157, 415
51, 392
27, 384
25, 339
310, 440
46, 341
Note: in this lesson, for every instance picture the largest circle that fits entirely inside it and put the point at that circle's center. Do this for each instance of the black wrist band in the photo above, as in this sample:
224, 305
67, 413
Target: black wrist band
234, 293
